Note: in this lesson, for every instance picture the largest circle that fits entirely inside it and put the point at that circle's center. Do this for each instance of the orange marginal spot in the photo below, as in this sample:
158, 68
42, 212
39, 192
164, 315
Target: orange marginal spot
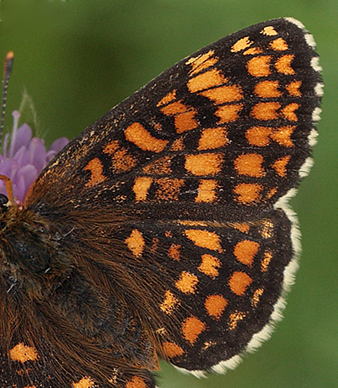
241, 44
267, 229
169, 189
187, 283
282, 135
138, 135
215, 305
174, 251
204, 239
234, 318
135, 242
206, 191
250, 165
172, 350
223, 94
210, 265
23, 353
248, 192
122, 160
283, 65
258, 136
169, 302
239, 282
243, 227
85, 382
204, 164
256, 296
269, 31
141, 187
160, 166
168, 234
136, 382
192, 327
264, 111
293, 88
95, 167
289, 112
228, 113
207, 80
271, 193
266, 261
177, 145
201, 62
267, 89
155, 242
186, 121
168, 98
280, 165
259, 66
212, 138
253, 51
279, 44
245, 251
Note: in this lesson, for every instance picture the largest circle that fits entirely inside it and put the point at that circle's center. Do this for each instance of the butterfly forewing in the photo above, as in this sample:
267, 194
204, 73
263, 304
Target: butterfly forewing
171, 234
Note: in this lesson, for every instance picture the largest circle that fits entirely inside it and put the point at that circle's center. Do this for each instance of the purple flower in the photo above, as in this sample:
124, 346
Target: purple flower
24, 157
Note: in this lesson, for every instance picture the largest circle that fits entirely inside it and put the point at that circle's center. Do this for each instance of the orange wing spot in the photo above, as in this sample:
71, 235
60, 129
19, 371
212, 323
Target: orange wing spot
202, 62
136, 382
154, 246
241, 44
204, 164
141, 187
204, 239
289, 112
243, 227
23, 353
245, 251
223, 94
259, 66
95, 167
187, 283
269, 31
177, 145
266, 261
210, 265
172, 350
283, 65
212, 138
250, 165
135, 243
174, 252
174, 108
248, 192
268, 89
253, 51
169, 302
184, 116
215, 305
169, 189
192, 327
271, 193
160, 166
258, 136
293, 88
239, 282
206, 191
168, 234
168, 98
234, 318
282, 136
85, 382
228, 113
267, 229
206, 80
264, 111
122, 160
256, 296
279, 44
138, 135
280, 165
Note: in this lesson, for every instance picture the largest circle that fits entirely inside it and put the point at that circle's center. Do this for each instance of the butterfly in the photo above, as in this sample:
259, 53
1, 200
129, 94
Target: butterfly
163, 230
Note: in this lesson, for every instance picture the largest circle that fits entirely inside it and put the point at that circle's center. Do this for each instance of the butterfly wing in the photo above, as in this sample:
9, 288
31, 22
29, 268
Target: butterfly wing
174, 199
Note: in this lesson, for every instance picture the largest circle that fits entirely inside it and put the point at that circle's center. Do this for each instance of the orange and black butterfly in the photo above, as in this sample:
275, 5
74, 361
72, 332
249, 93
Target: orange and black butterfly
163, 231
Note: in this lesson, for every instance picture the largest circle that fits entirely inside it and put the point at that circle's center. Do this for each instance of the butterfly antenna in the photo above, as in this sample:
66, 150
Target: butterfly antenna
8, 65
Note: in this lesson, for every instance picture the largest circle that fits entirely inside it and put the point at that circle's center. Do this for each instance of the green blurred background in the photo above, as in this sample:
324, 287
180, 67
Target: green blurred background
78, 58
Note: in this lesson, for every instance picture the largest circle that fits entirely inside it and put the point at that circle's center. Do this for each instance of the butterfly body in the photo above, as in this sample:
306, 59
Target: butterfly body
162, 230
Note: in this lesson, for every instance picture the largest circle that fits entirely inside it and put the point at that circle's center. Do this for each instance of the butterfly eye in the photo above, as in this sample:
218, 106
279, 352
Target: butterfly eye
3, 201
